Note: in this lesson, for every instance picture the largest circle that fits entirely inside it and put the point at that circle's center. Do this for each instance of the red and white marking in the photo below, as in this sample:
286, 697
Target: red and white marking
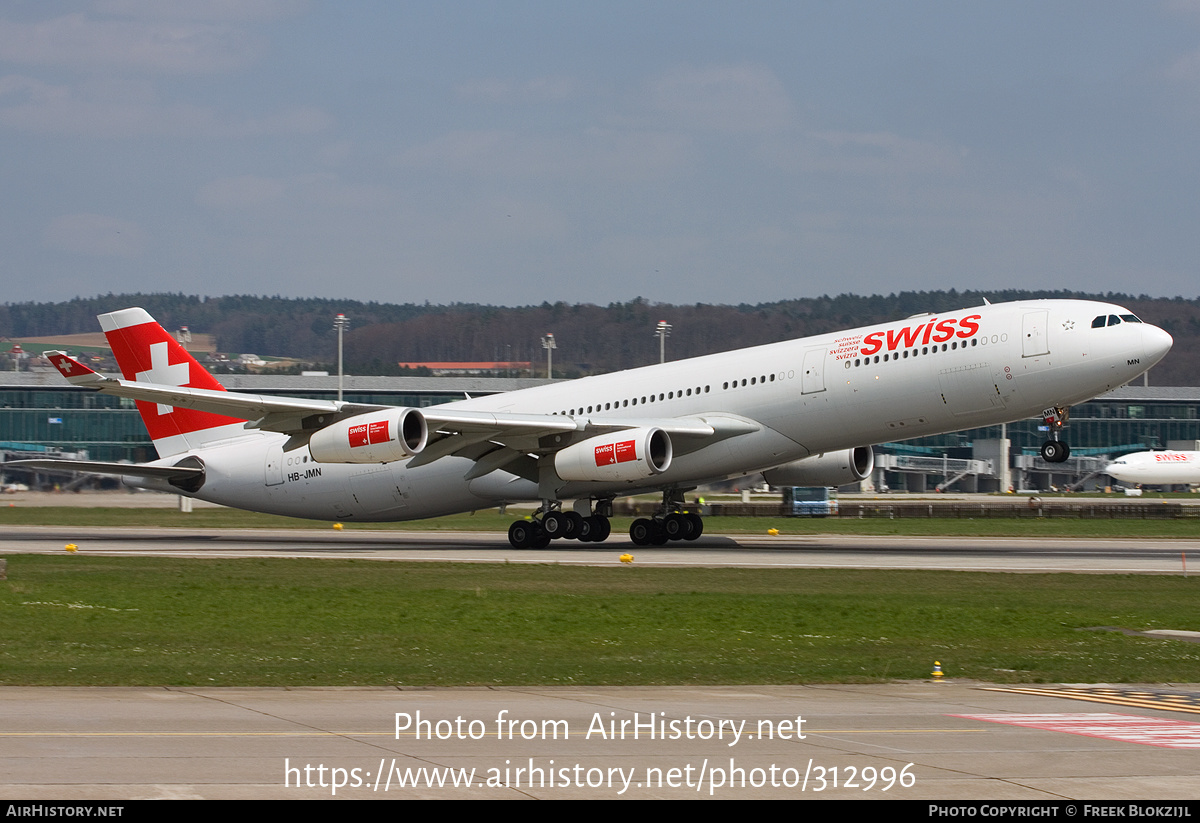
1128, 728
612, 453
164, 372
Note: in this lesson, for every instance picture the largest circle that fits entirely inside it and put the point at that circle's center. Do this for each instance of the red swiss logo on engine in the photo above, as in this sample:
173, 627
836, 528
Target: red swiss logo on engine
366, 433
613, 453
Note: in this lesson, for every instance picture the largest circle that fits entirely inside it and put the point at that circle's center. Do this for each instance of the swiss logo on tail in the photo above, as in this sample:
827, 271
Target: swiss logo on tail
146, 353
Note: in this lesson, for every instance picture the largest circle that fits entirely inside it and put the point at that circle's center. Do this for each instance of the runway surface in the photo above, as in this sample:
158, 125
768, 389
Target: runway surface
915, 741
1085, 555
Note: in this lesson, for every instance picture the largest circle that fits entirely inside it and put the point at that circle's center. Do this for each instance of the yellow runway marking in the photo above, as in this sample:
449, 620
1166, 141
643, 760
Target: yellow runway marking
1137, 698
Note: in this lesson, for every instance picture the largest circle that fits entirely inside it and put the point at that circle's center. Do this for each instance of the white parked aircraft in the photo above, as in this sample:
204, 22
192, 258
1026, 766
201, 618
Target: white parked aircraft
1156, 468
803, 412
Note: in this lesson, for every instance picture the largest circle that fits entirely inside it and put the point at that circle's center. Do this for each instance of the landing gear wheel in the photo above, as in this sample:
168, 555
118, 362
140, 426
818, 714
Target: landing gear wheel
641, 531
587, 531
556, 525
676, 526
521, 534
697, 526
602, 529
595, 529
1055, 451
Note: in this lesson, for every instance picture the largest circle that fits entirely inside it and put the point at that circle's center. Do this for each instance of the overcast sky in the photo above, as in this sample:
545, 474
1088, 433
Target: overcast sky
515, 152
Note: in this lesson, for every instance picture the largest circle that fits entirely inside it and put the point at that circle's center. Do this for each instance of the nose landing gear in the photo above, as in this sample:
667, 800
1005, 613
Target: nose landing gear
1055, 450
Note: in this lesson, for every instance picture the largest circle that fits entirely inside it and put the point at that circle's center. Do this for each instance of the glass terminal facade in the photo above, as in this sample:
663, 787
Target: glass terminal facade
1132, 418
40, 410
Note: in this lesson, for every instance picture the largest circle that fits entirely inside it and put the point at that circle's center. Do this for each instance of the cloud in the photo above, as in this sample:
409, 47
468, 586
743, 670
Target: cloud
240, 192
224, 10
882, 153
95, 235
593, 153
317, 189
1185, 69
171, 46
739, 98
538, 90
1184, 7
126, 110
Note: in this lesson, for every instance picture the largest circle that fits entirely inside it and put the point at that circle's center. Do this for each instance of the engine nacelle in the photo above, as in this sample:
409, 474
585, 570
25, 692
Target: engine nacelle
375, 437
828, 469
632, 454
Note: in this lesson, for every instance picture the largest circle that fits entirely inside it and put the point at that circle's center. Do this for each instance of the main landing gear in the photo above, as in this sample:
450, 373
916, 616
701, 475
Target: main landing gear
672, 522
1055, 450
551, 523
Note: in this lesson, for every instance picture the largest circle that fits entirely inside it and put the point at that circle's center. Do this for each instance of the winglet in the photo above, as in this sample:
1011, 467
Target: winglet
70, 368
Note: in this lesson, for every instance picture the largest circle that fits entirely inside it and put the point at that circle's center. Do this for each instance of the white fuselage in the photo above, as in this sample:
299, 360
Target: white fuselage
1158, 468
924, 375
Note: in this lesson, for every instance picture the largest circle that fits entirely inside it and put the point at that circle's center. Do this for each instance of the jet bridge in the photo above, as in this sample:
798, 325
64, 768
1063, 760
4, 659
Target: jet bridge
919, 470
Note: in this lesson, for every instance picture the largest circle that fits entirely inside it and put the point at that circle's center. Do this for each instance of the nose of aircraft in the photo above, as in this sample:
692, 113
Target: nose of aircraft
1155, 342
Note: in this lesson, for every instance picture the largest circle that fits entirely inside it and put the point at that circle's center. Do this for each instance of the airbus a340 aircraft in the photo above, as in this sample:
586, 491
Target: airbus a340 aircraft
1162, 468
804, 412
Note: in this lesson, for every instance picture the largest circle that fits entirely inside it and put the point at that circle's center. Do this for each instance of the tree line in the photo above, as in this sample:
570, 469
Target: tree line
591, 339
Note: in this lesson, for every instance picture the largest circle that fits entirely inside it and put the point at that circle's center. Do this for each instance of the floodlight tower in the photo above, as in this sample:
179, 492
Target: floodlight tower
662, 331
549, 345
341, 323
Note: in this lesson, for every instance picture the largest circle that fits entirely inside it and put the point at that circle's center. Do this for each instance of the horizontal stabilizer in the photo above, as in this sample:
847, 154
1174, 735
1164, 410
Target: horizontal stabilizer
98, 467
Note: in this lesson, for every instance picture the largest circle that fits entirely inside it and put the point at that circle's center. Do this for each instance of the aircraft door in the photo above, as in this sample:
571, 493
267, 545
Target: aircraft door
1034, 341
812, 379
273, 475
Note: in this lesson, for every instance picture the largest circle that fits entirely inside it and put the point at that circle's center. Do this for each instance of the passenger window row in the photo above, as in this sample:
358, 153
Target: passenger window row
672, 395
906, 353
621, 404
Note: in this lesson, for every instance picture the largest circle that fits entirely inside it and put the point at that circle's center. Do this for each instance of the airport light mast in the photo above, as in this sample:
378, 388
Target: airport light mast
662, 331
549, 345
341, 323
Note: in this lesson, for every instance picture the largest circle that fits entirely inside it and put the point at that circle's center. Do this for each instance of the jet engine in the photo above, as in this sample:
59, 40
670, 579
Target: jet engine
374, 437
632, 454
828, 469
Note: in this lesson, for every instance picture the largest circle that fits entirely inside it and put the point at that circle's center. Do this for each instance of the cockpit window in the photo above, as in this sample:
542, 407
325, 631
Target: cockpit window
1113, 320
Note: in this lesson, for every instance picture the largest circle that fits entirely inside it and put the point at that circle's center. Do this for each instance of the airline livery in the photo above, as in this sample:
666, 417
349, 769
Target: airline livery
1161, 468
803, 412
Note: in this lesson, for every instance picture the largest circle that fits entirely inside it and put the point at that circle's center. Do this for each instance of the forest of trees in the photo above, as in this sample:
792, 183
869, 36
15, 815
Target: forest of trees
591, 339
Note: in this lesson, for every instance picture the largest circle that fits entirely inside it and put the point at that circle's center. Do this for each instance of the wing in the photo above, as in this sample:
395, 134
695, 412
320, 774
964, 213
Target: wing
492, 439
514, 441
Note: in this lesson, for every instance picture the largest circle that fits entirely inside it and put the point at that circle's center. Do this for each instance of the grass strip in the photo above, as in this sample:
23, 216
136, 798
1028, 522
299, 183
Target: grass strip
78, 620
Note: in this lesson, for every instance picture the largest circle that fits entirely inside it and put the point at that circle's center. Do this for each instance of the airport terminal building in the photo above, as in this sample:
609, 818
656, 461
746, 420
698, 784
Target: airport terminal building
40, 413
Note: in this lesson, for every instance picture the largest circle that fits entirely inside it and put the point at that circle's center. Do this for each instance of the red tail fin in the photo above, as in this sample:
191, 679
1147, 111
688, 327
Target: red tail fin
148, 354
